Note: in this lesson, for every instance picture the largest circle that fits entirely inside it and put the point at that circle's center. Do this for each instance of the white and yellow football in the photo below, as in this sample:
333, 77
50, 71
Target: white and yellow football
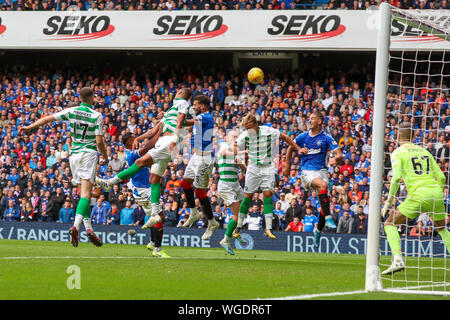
255, 75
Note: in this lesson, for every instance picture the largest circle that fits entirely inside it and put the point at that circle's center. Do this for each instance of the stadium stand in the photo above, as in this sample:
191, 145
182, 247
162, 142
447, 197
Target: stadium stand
36, 163
169, 5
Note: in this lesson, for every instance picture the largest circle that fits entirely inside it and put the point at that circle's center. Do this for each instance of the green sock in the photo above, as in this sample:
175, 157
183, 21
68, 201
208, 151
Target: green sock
243, 210
155, 193
268, 205
393, 238
131, 171
245, 205
84, 208
230, 228
445, 235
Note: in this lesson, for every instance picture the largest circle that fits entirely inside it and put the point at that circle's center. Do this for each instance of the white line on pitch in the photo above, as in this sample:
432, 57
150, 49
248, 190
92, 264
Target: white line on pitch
318, 295
117, 257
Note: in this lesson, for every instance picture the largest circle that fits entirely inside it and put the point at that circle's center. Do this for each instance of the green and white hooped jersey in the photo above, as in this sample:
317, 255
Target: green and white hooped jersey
85, 125
228, 169
262, 147
170, 117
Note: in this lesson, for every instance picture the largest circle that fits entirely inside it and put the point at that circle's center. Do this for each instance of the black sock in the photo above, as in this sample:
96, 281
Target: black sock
157, 234
207, 210
325, 209
152, 234
190, 197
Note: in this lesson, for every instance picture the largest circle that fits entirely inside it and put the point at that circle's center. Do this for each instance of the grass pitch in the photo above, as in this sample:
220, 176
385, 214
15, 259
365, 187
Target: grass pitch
39, 270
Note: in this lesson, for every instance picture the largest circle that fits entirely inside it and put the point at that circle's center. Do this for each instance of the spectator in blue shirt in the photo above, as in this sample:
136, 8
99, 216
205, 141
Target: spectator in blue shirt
100, 212
314, 200
126, 215
280, 213
11, 213
66, 213
309, 221
13, 176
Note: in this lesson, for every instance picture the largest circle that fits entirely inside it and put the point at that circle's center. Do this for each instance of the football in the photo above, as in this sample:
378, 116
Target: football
96, 192
255, 75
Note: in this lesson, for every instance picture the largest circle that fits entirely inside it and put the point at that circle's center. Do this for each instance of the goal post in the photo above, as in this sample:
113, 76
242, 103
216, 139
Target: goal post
404, 65
373, 280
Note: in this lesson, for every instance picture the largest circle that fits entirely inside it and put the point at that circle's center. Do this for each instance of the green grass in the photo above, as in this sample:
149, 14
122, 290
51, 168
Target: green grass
128, 272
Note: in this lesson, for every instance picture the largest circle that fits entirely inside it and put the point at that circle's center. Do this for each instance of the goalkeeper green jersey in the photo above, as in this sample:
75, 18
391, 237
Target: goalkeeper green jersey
85, 125
417, 167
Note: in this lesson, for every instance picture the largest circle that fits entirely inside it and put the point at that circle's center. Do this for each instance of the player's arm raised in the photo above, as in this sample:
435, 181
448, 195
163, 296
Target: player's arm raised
287, 167
41, 122
291, 142
338, 157
155, 131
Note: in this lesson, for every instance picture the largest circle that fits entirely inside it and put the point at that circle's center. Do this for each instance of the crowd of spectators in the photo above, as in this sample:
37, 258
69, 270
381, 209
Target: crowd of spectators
35, 177
169, 5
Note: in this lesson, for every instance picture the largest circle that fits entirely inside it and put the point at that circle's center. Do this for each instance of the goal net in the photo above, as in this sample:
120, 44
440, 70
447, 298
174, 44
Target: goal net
416, 91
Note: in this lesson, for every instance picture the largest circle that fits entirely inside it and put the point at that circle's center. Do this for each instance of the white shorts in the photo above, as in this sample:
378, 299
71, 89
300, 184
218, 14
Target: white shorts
230, 192
162, 153
308, 176
259, 177
142, 197
83, 166
199, 169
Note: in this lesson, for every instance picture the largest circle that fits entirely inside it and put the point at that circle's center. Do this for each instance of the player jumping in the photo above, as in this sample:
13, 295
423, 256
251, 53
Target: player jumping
86, 128
159, 156
425, 182
229, 188
314, 146
261, 142
200, 165
140, 185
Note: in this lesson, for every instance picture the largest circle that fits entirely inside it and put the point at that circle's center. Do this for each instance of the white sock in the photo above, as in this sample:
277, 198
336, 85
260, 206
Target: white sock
156, 209
268, 219
78, 221
115, 180
194, 210
240, 221
157, 249
87, 223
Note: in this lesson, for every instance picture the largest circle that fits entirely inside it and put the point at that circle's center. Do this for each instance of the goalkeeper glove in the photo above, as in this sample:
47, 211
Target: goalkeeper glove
387, 205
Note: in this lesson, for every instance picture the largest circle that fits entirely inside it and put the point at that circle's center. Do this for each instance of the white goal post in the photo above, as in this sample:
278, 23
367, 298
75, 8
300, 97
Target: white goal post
429, 275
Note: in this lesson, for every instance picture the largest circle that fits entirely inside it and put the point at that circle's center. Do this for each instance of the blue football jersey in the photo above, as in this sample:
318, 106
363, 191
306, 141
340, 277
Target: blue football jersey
309, 222
318, 147
142, 178
202, 132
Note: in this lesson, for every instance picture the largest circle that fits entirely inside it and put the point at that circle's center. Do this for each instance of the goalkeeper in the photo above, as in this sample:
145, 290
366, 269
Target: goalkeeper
424, 182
